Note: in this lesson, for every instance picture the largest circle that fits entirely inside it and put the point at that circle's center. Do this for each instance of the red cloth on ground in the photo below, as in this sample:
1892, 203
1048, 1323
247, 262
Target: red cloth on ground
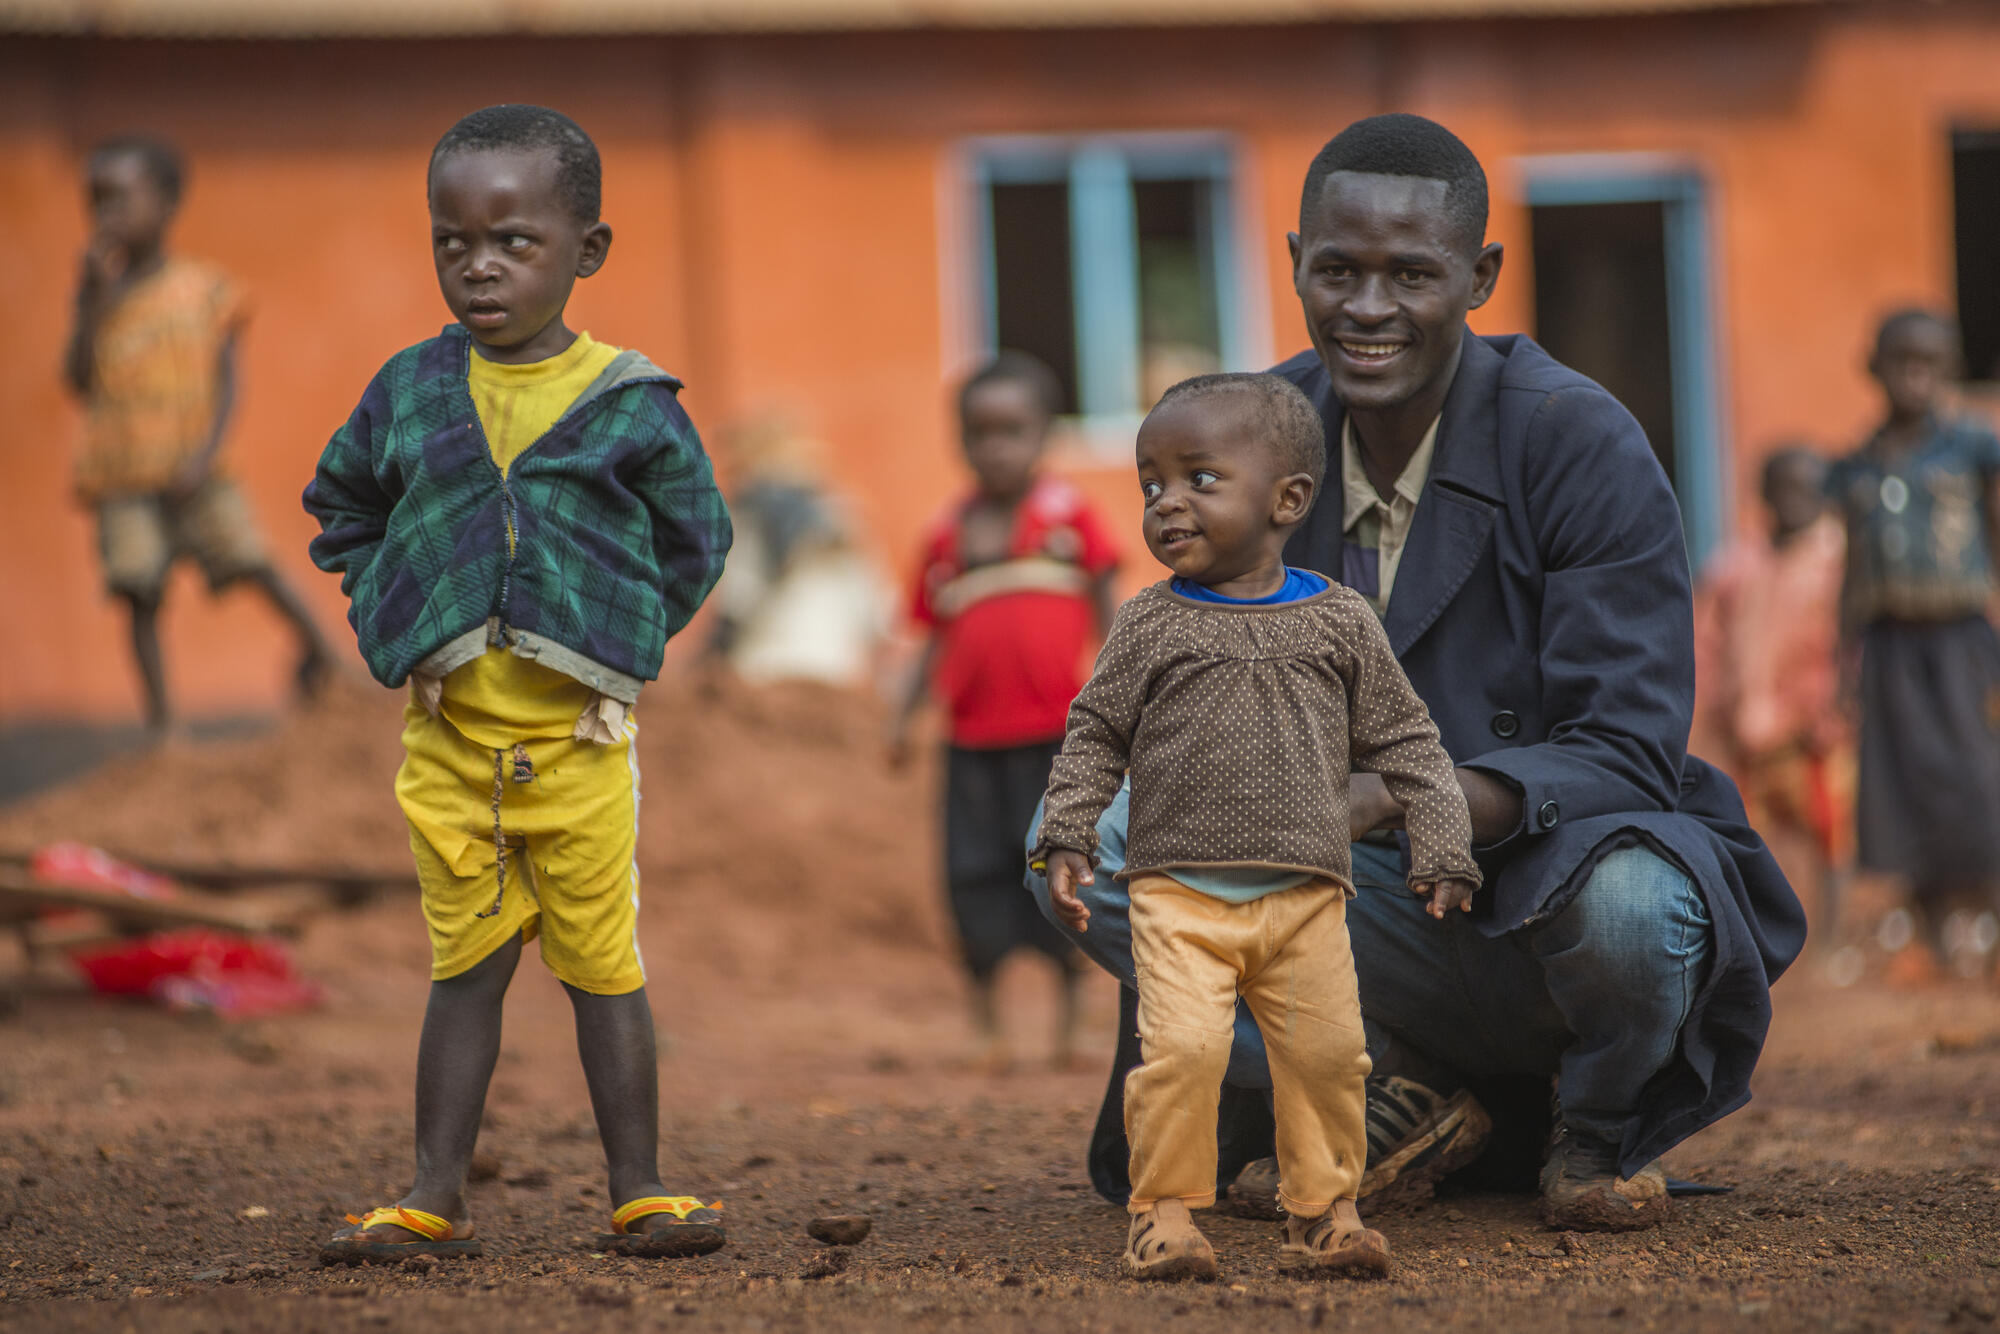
1013, 633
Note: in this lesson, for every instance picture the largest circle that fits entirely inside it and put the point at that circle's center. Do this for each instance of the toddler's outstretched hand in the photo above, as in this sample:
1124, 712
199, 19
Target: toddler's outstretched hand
1445, 895
1067, 870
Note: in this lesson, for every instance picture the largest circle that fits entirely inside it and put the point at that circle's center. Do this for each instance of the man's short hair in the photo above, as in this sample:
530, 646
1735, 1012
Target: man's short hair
1017, 368
1284, 418
162, 161
1399, 144
518, 127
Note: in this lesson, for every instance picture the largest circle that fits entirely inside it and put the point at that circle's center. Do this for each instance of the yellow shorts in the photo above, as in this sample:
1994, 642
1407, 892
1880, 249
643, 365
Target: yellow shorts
571, 832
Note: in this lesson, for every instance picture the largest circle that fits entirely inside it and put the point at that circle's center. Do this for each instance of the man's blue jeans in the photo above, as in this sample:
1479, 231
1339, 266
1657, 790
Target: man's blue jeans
1596, 995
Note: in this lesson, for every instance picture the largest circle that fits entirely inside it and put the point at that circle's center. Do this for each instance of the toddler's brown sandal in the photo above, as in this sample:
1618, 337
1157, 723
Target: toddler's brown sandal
1320, 1245
1164, 1244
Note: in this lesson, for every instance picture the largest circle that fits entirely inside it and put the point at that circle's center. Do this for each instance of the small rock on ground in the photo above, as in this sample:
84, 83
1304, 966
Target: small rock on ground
840, 1229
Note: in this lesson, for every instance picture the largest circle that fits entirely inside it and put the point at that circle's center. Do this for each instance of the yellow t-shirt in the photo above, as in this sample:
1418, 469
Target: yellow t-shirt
518, 404
499, 698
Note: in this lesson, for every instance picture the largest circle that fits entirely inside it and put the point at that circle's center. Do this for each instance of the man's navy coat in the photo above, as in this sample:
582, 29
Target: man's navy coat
1542, 609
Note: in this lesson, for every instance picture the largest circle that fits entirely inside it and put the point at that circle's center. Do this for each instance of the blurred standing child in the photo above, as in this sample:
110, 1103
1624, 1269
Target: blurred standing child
1015, 583
1241, 695
521, 517
1921, 498
152, 352
1770, 645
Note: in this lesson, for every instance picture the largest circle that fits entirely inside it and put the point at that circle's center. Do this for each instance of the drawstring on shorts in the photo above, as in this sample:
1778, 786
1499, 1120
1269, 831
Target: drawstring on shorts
523, 772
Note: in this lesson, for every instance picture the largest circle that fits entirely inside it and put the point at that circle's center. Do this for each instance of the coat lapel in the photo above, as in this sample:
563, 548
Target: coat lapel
1454, 519
1455, 516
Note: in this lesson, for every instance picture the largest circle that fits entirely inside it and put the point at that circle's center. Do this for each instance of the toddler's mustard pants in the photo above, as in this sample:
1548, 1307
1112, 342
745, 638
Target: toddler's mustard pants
1287, 954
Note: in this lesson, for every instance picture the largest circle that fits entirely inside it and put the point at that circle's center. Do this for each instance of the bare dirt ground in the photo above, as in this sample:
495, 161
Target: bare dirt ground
160, 1173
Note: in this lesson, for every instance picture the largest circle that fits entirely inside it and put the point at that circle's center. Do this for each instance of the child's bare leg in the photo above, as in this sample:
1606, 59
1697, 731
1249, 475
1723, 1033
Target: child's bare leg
455, 1060
146, 652
314, 660
614, 1036
1069, 974
983, 999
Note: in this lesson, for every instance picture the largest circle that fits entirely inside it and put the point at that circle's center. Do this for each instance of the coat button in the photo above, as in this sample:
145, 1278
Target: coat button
1505, 724
1549, 814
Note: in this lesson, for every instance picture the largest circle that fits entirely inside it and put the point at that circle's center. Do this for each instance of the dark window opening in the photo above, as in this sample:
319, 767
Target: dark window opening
1975, 181
1032, 290
1180, 329
1110, 259
1601, 306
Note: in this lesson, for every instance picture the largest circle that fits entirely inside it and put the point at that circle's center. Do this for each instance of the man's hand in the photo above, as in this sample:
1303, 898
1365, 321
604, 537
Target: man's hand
1444, 895
1495, 807
1370, 807
1067, 870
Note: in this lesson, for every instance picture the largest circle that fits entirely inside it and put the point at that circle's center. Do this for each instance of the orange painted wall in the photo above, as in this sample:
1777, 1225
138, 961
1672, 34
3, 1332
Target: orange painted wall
787, 232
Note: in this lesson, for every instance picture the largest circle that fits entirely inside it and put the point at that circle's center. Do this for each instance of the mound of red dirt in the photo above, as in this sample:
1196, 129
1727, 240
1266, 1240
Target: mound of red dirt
778, 793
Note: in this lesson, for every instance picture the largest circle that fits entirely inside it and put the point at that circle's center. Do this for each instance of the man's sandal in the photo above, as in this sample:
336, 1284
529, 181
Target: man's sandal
1320, 1244
1164, 1243
433, 1236
695, 1228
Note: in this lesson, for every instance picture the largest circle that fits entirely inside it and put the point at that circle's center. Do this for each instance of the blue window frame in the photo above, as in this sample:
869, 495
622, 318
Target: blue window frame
1602, 182
1111, 257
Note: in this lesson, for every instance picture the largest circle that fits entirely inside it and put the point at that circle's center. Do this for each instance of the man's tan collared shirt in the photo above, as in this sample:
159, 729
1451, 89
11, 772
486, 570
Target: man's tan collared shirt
1376, 530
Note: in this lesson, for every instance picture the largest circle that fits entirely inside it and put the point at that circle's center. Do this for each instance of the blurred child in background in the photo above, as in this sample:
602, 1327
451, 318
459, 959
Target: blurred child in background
1769, 642
799, 600
1014, 586
1920, 499
152, 352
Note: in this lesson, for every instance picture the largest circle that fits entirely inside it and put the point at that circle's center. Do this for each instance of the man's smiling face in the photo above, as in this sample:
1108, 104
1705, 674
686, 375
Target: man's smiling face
1385, 282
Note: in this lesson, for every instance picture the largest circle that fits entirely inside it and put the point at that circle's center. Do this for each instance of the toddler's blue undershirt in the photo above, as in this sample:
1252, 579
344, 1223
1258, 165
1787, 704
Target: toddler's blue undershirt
1298, 586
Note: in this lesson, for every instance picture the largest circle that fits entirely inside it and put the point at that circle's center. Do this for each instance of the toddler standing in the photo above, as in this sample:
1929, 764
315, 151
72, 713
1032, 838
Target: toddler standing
1239, 694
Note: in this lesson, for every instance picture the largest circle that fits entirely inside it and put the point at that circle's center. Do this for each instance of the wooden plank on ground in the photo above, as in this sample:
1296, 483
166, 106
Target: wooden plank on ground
347, 882
23, 896
209, 876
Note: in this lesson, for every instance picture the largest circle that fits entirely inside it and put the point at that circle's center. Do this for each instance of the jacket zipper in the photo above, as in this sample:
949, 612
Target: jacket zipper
509, 507
507, 515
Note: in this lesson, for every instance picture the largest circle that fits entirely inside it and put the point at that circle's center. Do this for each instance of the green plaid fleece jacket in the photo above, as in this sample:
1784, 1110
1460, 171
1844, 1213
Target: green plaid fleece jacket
620, 531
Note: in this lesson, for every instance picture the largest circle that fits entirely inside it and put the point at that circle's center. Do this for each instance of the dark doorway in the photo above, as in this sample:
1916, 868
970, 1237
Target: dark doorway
1601, 306
1975, 182
1032, 291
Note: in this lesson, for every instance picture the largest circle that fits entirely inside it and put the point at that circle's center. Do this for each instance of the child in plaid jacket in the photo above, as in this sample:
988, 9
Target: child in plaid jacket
521, 516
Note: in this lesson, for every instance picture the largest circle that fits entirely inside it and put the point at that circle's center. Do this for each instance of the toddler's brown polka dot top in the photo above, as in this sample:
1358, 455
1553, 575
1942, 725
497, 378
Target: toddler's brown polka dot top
1240, 724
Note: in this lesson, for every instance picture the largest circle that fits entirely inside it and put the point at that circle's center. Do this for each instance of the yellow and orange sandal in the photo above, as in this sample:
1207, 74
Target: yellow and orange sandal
433, 1236
694, 1228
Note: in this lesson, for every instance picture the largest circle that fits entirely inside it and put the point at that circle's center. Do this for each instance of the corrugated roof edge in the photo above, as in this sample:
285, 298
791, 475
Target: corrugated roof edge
301, 19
